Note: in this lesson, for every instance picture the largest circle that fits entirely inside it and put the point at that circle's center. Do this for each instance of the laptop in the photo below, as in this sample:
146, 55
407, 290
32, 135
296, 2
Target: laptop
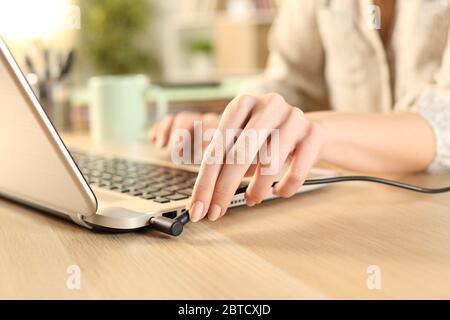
107, 188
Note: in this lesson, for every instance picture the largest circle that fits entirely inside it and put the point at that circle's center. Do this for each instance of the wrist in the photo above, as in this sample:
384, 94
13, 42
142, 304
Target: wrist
319, 120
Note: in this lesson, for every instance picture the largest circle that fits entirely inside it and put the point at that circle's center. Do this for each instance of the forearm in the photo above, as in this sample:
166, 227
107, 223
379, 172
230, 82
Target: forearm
396, 142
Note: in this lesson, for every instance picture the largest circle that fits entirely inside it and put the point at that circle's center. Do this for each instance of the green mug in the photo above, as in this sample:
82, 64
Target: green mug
118, 107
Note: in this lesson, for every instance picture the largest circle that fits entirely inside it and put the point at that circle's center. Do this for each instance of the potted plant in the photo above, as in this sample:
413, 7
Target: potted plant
201, 58
110, 34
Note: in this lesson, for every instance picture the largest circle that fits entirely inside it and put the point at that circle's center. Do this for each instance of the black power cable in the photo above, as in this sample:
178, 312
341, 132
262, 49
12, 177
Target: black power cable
175, 226
391, 183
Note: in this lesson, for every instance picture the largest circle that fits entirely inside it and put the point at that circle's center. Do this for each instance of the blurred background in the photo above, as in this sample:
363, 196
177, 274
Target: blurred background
198, 53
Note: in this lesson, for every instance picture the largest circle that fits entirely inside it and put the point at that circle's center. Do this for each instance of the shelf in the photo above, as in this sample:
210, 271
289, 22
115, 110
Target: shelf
196, 21
227, 90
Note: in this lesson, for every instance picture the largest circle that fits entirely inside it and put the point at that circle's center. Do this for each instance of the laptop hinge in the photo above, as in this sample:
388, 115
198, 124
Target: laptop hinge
78, 219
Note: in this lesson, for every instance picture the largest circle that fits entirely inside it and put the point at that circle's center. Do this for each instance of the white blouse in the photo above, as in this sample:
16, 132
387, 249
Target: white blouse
327, 54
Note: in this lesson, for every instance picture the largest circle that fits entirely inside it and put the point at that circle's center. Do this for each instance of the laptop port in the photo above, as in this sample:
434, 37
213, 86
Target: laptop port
170, 215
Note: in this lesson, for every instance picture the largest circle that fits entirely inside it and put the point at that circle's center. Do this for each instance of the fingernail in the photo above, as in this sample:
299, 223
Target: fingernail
250, 203
172, 141
275, 191
196, 211
158, 142
214, 212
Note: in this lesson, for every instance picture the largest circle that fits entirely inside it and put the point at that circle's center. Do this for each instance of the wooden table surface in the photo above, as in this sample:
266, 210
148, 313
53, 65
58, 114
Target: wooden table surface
316, 245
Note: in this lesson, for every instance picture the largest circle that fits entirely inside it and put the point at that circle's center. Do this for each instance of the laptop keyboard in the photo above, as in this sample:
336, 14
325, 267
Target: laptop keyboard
137, 179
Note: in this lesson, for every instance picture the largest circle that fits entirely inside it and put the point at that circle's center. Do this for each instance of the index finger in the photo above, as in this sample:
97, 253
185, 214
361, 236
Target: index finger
234, 116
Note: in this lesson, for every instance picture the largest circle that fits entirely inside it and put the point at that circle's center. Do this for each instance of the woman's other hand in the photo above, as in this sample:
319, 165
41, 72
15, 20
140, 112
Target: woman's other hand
163, 133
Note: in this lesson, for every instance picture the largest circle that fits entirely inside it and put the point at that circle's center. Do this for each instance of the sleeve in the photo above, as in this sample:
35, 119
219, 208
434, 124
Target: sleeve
434, 106
296, 62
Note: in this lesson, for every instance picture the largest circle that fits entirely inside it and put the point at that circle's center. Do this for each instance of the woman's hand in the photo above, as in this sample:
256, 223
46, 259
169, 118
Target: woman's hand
163, 133
300, 141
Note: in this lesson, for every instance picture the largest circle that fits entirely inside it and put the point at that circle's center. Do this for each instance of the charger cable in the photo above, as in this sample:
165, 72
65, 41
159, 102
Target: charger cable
174, 227
391, 183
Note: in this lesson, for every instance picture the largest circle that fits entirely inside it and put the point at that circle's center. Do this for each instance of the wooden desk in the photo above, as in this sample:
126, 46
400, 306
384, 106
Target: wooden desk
317, 245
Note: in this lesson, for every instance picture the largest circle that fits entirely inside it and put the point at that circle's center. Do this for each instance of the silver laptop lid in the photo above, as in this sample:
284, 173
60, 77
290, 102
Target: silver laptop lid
35, 166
